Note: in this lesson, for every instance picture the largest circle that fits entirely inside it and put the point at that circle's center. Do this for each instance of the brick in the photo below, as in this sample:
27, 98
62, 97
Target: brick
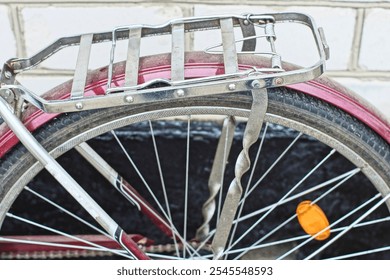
375, 48
365, 1
41, 84
339, 39
7, 39
43, 25
374, 91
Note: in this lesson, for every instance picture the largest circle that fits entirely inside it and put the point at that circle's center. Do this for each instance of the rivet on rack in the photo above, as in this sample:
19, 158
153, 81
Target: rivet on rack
79, 105
180, 92
256, 84
232, 86
8, 93
279, 81
129, 99
7, 74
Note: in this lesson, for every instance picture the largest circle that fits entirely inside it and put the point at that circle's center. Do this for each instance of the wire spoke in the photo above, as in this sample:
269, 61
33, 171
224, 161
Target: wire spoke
295, 215
301, 237
204, 242
344, 177
70, 246
140, 175
372, 209
163, 186
332, 225
67, 212
163, 257
118, 180
186, 185
282, 199
272, 166
174, 230
298, 195
10, 215
361, 253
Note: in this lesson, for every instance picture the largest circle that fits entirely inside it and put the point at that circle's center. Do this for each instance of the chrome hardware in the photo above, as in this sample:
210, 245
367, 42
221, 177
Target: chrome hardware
135, 93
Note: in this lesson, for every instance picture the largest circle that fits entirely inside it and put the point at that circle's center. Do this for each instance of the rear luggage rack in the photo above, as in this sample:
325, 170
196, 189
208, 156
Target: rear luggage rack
256, 29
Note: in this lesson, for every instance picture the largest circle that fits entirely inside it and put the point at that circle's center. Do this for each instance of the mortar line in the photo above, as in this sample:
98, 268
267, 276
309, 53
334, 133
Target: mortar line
340, 4
357, 40
188, 11
361, 74
18, 31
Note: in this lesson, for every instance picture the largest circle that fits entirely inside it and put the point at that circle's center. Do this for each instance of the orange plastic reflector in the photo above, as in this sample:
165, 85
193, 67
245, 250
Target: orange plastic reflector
313, 220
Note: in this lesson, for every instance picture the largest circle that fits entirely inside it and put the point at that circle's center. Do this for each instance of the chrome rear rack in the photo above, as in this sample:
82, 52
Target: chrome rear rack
255, 29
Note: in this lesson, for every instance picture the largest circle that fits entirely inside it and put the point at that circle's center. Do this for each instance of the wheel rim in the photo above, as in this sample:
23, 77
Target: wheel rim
191, 249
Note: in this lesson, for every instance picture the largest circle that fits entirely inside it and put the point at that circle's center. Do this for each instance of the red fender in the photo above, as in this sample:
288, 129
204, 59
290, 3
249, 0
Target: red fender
201, 65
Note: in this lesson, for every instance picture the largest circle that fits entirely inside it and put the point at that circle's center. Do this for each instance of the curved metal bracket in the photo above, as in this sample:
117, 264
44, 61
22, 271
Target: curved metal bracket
243, 164
248, 30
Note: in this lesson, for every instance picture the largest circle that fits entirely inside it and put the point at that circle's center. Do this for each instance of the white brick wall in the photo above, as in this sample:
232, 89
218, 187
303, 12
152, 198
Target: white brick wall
328, 18
357, 32
375, 51
43, 25
375, 91
7, 39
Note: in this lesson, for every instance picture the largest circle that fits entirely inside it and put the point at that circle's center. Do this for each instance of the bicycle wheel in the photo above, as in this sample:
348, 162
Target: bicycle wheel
309, 154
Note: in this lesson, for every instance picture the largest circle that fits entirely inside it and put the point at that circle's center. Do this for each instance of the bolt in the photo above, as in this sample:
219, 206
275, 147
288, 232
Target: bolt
246, 22
129, 99
279, 81
79, 105
16, 65
232, 86
180, 92
7, 93
256, 84
7, 74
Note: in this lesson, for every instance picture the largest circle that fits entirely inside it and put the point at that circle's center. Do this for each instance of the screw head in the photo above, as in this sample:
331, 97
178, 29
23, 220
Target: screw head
7, 93
256, 84
129, 99
7, 74
279, 81
15, 64
180, 92
246, 22
79, 106
232, 86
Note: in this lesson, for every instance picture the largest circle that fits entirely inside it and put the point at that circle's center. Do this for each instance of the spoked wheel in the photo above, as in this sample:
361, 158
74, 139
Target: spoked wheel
318, 186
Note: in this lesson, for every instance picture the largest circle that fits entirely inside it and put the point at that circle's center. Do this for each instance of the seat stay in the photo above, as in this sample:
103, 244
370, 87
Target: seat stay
67, 181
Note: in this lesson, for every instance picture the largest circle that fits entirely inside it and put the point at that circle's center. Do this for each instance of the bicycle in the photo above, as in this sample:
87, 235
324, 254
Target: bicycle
209, 108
